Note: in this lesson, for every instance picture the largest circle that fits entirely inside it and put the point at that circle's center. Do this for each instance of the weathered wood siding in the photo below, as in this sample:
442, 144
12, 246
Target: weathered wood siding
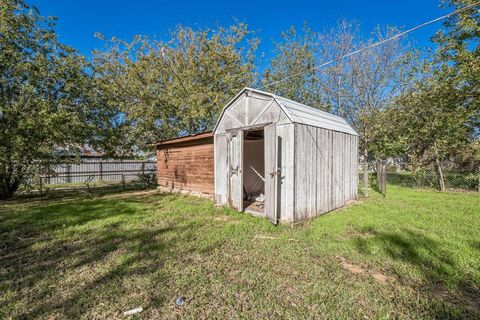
326, 170
235, 169
187, 166
286, 159
250, 110
221, 169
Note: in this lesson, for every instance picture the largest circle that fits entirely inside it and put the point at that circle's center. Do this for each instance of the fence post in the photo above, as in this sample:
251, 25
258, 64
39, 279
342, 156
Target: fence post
41, 191
143, 167
69, 179
478, 189
123, 181
365, 179
101, 171
382, 176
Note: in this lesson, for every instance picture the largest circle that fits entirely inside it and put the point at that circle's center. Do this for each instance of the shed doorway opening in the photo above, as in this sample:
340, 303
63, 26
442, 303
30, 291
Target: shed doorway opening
254, 171
251, 161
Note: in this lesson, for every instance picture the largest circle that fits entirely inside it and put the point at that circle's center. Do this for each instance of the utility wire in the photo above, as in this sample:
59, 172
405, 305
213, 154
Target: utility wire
378, 43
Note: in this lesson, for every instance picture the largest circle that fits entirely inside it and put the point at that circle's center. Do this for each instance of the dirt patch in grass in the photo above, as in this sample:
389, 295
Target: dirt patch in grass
364, 271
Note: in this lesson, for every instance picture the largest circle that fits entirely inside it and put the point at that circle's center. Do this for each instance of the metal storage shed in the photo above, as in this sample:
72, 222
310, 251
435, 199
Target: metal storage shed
303, 160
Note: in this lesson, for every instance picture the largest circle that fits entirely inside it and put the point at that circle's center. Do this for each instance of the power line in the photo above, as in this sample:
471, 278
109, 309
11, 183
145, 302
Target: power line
379, 42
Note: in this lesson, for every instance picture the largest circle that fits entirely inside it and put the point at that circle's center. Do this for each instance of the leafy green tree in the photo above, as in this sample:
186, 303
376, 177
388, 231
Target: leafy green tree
291, 73
387, 139
165, 89
359, 88
459, 56
459, 45
42, 95
439, 117
435, 123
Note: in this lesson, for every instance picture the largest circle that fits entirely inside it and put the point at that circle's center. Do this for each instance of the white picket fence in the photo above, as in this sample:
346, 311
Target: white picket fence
105, 170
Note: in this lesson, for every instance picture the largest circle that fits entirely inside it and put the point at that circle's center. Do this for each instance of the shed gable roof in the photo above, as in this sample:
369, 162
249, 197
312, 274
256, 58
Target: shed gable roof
299, 113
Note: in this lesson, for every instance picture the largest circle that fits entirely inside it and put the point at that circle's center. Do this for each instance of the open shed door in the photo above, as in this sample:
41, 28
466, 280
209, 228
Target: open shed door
235, 169
271, 173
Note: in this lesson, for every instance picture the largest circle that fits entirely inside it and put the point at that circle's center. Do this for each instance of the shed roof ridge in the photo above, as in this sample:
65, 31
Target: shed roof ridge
276, 96
297, 112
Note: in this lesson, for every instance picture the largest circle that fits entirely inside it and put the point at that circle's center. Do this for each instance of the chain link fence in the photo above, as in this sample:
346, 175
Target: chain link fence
402, 174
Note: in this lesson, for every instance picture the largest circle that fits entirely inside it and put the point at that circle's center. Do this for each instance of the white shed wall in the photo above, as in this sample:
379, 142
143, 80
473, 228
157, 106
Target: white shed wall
319, 165
326, 170
250, 110
286, 152
220, 168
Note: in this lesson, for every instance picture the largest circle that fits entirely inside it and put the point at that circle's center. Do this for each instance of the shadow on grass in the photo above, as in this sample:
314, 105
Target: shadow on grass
436, 266
42, 247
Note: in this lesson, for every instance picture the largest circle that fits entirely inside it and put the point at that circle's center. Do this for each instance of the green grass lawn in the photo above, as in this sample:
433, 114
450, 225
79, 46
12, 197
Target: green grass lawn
414, 254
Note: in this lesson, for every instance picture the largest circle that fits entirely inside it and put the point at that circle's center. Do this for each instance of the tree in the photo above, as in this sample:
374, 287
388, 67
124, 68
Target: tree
363, 86
458, 56
435, 122
359, 88
440, 115
43, 95
459, 45
334, 43
176, 87
291, 73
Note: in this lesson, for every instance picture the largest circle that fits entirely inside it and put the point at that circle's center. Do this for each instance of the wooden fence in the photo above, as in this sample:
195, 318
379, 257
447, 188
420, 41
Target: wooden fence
105, 170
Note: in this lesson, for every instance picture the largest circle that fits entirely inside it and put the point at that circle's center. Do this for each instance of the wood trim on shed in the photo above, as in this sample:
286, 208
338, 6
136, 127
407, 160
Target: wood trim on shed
186, 140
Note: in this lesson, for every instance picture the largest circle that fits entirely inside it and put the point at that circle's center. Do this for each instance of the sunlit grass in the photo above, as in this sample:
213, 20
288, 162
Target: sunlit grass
413, 254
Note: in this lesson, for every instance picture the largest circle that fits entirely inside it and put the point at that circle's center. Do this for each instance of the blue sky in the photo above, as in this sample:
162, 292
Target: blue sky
78, 20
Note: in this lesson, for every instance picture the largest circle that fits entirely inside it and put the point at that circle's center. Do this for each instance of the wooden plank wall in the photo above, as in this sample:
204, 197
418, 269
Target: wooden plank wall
251, 110
326, 170
285, 160
221, 169
187, 167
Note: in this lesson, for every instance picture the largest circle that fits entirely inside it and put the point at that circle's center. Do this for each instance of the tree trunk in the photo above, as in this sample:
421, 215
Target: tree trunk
365, 172
7, 189
438, 167
478, 179
441, 179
